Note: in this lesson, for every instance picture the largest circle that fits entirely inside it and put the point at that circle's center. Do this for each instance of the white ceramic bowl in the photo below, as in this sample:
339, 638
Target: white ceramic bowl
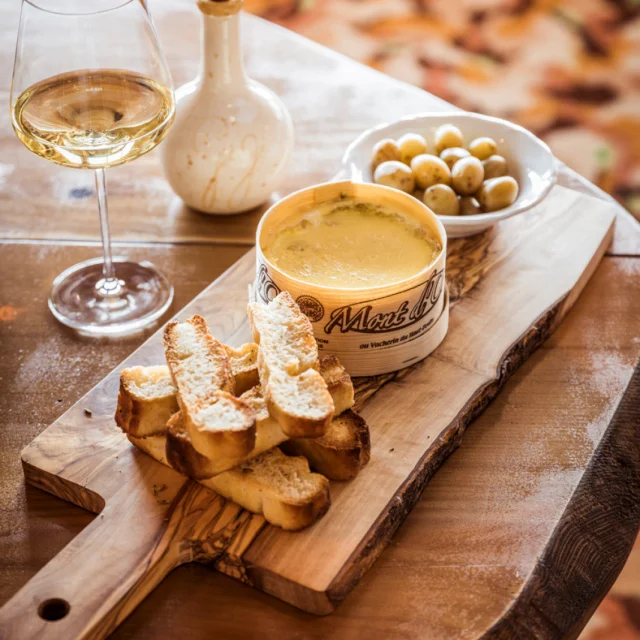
530, 160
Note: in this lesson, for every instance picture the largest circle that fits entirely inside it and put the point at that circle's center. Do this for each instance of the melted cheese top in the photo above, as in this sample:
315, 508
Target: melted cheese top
349, 244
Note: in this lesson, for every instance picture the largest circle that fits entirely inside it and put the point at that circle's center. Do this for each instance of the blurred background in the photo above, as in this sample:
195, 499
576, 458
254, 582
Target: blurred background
569, 70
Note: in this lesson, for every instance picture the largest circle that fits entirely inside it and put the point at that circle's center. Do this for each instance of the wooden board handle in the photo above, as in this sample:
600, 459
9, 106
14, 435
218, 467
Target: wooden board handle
155, 524
98, 578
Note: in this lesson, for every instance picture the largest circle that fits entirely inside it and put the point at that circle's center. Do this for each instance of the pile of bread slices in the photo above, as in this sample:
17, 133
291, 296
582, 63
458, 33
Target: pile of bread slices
247, 422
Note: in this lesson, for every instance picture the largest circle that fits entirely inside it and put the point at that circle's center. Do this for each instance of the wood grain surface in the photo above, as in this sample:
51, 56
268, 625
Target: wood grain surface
460, 563
522, 287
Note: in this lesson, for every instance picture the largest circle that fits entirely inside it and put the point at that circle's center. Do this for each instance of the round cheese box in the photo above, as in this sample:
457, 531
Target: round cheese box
366, 264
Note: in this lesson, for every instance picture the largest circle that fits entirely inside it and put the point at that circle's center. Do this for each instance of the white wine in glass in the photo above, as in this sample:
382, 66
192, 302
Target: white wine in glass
94, 107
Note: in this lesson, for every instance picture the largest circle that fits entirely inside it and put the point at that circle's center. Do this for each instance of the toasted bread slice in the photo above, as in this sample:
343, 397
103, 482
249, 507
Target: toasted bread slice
278, 487
146, 400
297, 396
268, 432
147, 394
218, 423
341, 452
244, 366
184, 457
338, 382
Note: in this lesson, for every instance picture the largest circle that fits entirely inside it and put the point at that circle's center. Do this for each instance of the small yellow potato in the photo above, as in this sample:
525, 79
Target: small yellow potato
467, 176
442, 200
453, 154
494, 167
384, 150
430, 170
469, 206
446, 136
482, 148
411, 145
396, 174
497, 193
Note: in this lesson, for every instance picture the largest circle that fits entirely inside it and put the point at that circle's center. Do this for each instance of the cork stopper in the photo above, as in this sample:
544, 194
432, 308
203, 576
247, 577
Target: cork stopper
220, 8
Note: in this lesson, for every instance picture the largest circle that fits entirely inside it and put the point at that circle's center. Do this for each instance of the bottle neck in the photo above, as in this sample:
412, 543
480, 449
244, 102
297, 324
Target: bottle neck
221, 52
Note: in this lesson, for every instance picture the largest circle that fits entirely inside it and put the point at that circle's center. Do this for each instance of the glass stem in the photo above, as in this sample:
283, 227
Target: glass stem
108, 271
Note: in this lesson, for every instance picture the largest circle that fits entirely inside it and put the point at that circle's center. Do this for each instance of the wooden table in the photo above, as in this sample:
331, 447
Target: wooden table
520, 533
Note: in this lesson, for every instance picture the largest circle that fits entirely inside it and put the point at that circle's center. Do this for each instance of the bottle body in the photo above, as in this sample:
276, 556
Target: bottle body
232, 139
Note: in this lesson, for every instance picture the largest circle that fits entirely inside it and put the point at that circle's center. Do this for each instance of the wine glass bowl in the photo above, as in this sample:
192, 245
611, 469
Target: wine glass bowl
91, 89
94, 118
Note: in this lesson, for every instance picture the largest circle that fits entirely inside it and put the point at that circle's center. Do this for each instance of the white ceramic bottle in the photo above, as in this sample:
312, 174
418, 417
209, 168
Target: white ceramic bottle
233, 138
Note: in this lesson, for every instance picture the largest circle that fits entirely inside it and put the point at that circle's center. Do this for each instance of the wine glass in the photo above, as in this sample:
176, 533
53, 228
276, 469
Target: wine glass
91, 90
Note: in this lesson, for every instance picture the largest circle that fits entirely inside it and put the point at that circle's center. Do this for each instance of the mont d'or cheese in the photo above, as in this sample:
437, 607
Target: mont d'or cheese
349, 244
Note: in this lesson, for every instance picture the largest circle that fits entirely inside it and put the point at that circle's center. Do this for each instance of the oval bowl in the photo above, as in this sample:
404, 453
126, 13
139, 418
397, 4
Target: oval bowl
530, 160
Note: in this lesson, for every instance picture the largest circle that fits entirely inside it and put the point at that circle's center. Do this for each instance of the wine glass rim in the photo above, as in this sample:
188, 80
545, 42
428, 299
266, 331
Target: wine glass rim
37, 5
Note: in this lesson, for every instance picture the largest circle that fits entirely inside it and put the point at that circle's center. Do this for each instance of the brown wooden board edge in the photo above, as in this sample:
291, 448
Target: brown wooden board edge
399, 508
591, 542
67, 490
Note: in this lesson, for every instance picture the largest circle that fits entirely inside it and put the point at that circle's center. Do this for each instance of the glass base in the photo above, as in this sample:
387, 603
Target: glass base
82, 299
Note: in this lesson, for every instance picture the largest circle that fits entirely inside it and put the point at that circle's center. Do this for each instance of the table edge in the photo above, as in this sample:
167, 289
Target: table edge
592, 540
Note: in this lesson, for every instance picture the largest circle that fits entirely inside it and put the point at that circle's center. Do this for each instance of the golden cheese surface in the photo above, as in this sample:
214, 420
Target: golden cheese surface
349, 244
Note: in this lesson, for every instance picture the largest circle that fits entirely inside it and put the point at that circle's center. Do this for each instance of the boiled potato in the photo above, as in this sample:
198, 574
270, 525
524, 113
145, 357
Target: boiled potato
469, 206
430, 170
396, 174
494, 167
453, 154
384, 150
446, 136
442, 200
467, 175
482, 148
497, 193
411, 145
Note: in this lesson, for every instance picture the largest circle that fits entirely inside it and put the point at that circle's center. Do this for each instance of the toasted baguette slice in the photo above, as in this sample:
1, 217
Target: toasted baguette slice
180, 450
142, 387
297, 396
184, 457
278, 487
341, 452
218, 423
244, 366
338, 382
146, 400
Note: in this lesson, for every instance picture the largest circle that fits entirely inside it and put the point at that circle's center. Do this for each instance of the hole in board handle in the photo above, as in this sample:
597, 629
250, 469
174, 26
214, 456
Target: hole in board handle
53, 609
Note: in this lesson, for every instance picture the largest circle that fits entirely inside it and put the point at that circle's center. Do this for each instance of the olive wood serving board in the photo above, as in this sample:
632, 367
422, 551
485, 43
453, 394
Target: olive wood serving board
509, 289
